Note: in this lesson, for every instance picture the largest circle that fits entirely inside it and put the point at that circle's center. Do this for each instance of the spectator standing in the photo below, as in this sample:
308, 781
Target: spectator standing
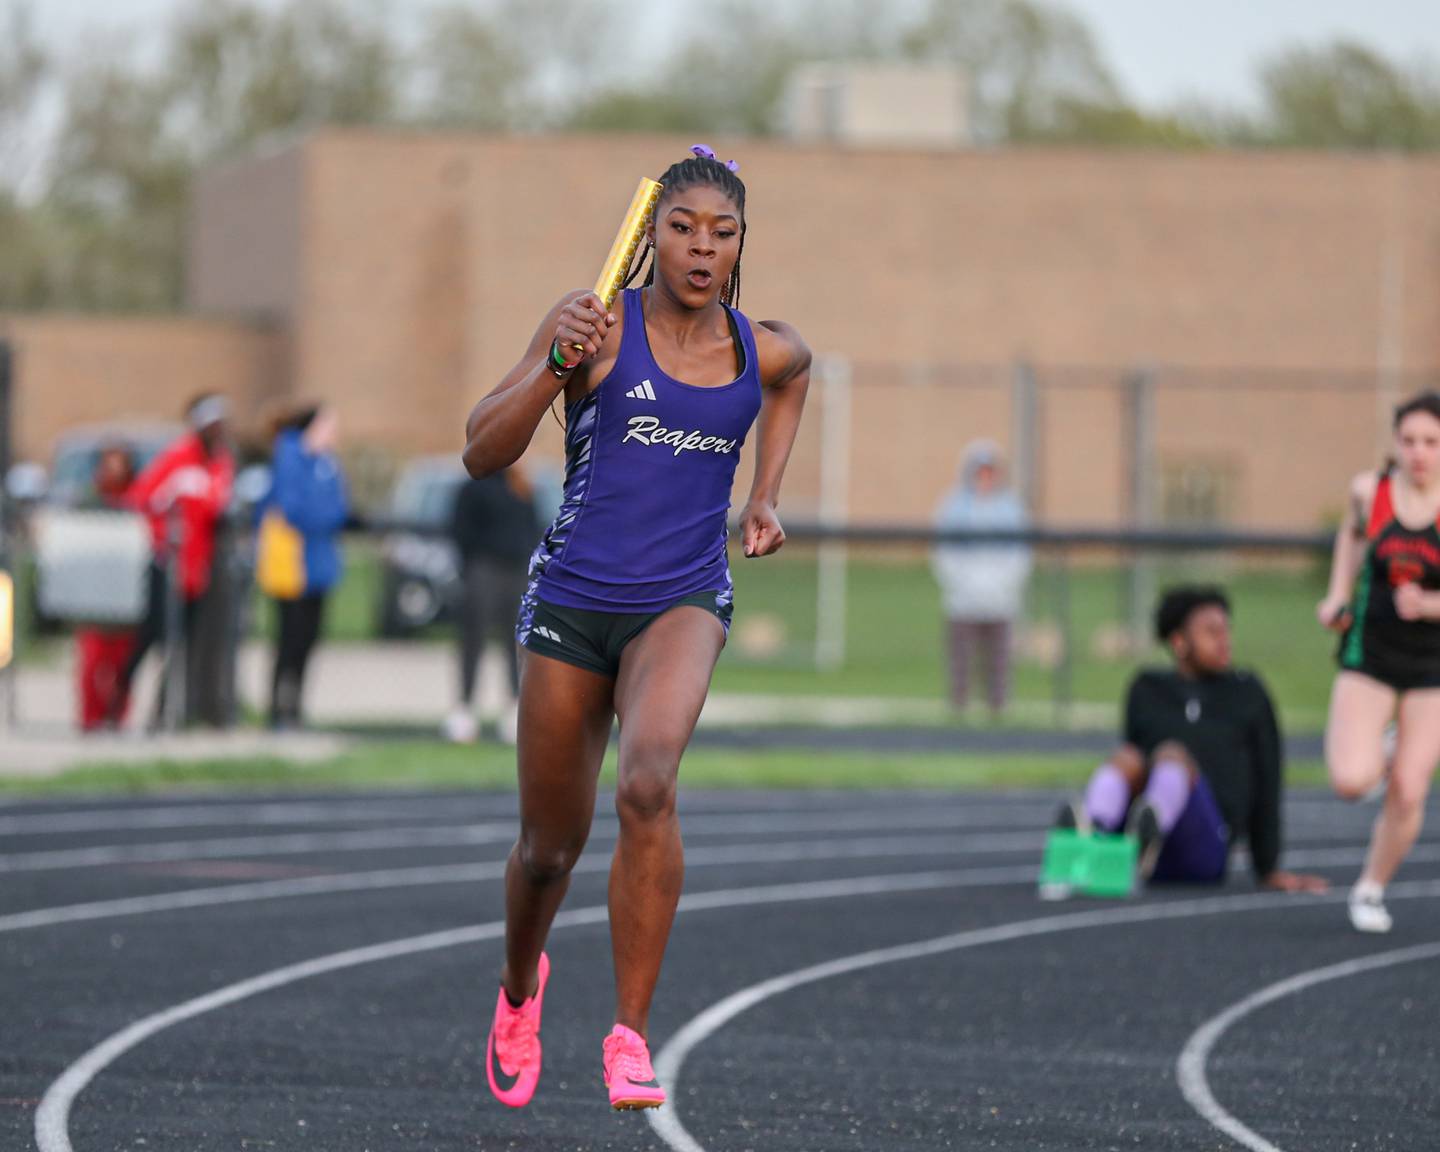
298, 555
982, 585
184, 492
495, 528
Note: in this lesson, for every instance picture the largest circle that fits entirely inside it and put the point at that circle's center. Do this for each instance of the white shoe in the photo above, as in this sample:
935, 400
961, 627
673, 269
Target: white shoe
1367, 909
461, 727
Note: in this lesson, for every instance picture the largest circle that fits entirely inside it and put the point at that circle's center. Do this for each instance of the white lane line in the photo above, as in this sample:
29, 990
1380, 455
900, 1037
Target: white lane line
732, 855
16, 821
223, 815
739, 854
52, 1118
1190, 1069
666, 1121
424, 876
61, 859
430, 836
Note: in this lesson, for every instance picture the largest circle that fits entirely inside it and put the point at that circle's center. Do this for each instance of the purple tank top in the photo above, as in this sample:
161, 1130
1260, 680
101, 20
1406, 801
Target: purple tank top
649, 465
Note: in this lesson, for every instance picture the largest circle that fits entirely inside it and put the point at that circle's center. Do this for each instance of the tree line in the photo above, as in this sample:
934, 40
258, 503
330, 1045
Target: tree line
95, 219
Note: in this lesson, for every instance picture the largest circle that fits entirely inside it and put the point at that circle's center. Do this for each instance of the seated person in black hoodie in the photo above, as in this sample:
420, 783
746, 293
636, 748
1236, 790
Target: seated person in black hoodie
1201, 761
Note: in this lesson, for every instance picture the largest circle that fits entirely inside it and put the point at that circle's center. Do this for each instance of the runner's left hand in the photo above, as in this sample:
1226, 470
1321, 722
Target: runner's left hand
760, 529
1294, 882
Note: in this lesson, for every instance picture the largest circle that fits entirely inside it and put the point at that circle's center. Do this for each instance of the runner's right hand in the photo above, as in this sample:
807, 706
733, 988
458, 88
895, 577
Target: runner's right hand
581, 328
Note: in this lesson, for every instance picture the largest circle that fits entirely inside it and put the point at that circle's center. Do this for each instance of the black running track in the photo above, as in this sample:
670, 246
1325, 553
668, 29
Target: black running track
850, 971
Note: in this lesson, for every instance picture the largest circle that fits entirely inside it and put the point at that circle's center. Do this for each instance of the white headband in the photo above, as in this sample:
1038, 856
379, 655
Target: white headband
210, 410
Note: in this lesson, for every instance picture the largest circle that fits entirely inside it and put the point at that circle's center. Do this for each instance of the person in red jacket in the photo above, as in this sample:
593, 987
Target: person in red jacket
184, 491
101, 652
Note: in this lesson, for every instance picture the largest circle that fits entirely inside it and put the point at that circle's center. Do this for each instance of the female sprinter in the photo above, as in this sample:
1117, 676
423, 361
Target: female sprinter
630, 596
1384, 597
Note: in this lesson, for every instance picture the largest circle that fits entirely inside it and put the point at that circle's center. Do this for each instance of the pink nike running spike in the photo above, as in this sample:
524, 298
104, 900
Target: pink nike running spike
628, 1073
513, 1051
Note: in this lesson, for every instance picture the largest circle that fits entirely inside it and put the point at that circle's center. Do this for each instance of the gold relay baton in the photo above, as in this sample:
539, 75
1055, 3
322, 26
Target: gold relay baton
627, 241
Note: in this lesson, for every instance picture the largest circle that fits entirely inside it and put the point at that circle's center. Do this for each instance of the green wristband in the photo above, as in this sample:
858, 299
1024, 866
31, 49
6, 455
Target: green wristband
557, 365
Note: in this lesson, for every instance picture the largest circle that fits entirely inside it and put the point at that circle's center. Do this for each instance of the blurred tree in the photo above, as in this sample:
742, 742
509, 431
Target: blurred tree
96, 219
1035, 71
467, 73
1346, 95
1031, 65
238, 71
116, 194
110, 226
1120, 126
24, 67
503, 67
731, 69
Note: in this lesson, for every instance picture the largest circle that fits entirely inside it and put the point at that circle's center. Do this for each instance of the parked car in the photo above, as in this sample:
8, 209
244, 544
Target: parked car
72, 464
69, 482
420, 571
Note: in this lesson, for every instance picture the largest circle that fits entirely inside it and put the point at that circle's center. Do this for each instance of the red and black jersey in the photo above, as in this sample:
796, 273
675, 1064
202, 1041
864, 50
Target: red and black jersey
1378, 640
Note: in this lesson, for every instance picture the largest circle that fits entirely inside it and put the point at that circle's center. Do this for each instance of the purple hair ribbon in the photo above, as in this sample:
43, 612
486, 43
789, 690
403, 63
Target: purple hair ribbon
705, 152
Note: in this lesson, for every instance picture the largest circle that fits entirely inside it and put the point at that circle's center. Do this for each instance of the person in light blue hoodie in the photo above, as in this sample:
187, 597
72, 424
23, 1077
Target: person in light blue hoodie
308, 488
982, 585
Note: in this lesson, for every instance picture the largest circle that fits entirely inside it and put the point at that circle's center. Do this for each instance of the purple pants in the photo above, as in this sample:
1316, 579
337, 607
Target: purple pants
1198, 847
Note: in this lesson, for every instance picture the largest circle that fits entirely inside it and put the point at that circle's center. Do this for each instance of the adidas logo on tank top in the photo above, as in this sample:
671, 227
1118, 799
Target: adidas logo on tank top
642, 391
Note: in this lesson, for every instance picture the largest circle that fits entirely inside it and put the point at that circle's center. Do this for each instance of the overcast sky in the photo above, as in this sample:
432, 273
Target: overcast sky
1162, 51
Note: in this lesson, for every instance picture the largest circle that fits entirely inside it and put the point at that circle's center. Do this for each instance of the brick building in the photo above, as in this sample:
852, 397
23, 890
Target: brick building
1278, 301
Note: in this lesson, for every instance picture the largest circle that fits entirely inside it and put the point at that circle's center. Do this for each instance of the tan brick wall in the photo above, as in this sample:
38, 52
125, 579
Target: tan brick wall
247, 238
428, 259
73, 370
386, 295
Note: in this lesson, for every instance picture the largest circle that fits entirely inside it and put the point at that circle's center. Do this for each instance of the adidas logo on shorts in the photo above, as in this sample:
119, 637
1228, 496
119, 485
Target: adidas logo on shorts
541, 630
642, 391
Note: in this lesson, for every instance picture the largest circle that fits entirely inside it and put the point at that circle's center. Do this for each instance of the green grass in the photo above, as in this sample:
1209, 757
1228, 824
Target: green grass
894, 632
416, 764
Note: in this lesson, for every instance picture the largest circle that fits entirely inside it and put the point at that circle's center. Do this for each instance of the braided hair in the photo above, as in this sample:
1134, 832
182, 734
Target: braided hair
706, 172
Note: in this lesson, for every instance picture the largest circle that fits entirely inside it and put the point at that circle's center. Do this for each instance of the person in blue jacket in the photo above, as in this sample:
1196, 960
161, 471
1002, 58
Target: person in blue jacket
308, 488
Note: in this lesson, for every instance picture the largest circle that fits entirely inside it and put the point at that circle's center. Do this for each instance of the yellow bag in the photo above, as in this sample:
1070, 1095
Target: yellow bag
280, 558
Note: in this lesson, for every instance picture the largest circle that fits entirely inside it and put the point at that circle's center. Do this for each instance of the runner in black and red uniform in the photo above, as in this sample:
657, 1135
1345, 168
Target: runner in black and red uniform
1384, 598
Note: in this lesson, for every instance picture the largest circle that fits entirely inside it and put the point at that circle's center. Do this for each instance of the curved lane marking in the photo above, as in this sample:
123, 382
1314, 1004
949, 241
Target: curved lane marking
1190, 1069
671, 1059
52, 1118
389, 878
299, 812
385, 879
471, 834
224, 894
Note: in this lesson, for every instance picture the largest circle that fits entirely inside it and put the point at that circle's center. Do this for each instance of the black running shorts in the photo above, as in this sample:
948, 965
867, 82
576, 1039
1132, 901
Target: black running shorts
595, 640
